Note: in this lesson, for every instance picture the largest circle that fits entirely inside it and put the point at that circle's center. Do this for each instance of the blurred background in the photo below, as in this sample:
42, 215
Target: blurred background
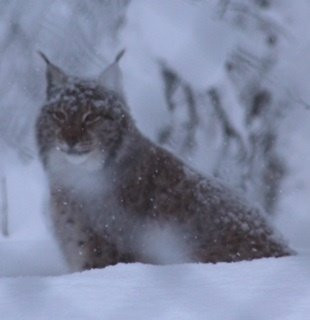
223, 84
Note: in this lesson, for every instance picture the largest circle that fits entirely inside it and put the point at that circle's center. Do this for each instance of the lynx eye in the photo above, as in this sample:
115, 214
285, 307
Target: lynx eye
59, 115
108, 117
91, 117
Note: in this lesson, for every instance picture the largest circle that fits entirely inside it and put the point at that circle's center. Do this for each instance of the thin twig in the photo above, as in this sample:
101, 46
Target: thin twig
4, 207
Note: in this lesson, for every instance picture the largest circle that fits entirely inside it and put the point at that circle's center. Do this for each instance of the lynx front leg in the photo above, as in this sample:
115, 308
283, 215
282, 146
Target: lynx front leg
82, 247
97, 251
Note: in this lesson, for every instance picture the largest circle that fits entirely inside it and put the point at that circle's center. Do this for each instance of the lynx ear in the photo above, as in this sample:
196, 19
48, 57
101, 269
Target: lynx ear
111, 77
55, 77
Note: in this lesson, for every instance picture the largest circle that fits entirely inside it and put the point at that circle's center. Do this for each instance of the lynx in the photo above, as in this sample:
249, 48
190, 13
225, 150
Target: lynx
116, 196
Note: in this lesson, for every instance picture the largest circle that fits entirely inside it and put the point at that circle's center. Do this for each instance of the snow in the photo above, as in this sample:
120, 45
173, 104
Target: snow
33, 279
30, 257
262, 289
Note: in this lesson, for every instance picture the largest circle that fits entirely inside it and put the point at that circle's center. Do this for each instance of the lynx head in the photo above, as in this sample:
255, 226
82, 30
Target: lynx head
80, 116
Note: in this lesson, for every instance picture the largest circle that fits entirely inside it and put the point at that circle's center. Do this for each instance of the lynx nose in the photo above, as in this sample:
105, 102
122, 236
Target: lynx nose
71, 138
71, 142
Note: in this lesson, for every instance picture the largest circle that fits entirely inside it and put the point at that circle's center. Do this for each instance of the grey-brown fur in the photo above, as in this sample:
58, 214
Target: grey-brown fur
105, 209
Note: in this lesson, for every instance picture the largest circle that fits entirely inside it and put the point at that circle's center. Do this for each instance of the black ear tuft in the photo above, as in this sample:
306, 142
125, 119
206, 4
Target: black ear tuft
119, 55
111, 77
55, 77
44, 57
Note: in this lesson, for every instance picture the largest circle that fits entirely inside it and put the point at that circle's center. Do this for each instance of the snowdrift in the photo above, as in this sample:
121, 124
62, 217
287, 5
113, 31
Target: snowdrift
261, 289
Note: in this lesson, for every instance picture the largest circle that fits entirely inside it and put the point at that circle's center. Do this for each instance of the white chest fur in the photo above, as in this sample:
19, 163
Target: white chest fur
81, 173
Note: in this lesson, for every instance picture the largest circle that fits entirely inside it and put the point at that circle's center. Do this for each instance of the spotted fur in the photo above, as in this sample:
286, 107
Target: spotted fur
118, 197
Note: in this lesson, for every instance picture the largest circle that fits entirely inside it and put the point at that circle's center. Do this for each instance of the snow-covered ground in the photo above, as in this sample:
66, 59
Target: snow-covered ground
35, 284
263, 289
